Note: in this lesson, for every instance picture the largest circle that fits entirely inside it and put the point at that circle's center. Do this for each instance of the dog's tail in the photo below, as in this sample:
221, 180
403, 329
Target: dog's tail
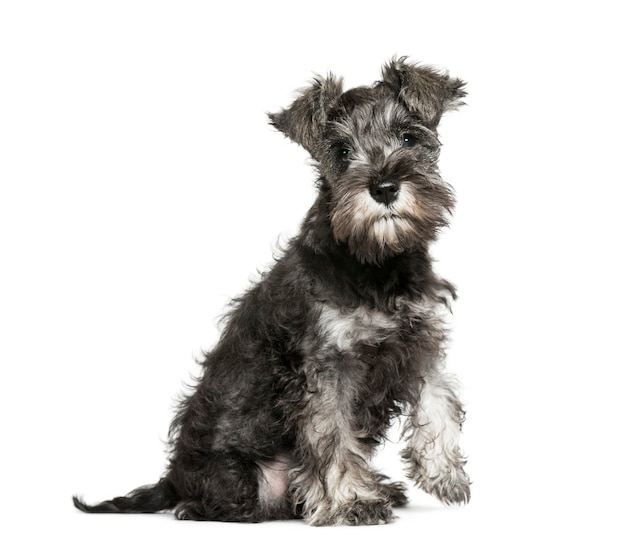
147, 499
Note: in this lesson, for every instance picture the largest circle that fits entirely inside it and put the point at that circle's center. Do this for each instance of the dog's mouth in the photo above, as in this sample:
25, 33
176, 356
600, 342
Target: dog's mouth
393, 217
399, 210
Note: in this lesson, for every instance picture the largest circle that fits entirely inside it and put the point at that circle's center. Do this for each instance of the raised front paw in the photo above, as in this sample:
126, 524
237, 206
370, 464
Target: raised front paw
452, 486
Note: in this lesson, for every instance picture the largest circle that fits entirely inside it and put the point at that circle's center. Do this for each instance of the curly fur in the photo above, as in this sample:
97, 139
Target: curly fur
343, 334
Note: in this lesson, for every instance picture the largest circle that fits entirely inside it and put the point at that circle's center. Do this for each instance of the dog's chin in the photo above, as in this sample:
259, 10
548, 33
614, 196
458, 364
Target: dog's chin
375, 240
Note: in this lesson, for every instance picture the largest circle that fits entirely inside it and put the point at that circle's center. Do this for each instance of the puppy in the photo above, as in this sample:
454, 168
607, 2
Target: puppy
343, 334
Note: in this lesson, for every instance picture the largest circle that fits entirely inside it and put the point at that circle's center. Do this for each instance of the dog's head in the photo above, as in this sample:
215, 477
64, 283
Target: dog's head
376, 149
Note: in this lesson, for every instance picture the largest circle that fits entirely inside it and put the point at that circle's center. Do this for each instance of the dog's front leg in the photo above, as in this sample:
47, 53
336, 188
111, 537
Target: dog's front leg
333, 483
432, 454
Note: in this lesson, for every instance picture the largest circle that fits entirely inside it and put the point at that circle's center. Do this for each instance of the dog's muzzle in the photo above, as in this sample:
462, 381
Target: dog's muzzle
385, 192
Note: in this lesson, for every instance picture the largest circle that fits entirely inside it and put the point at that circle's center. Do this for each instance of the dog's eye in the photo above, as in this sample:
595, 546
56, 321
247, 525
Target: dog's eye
408, 140
344, 153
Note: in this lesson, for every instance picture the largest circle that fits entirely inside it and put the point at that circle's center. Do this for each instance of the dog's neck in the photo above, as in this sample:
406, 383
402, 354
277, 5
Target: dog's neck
408, 274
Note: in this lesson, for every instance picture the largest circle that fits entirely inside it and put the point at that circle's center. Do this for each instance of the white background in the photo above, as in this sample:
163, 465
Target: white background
141, 188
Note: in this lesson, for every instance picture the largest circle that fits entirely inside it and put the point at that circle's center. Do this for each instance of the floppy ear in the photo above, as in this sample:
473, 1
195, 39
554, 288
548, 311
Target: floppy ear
303, 122
423, 89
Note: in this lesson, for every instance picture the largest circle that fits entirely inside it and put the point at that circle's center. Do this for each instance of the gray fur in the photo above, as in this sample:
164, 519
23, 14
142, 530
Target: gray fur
343, 334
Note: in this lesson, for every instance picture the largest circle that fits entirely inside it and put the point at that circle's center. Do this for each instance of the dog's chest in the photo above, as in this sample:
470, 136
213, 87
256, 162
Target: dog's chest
343, 329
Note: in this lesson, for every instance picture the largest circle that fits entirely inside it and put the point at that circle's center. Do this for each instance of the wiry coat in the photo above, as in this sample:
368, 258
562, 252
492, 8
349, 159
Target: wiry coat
340, 336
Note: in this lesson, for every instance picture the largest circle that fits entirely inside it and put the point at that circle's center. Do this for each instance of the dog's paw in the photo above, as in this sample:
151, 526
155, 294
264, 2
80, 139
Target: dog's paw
356, 513
366, 513
396, 492
191, 510
453, 487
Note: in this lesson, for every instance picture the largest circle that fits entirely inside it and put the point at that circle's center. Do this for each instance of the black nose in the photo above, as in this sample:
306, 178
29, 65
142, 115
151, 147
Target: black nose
385, 192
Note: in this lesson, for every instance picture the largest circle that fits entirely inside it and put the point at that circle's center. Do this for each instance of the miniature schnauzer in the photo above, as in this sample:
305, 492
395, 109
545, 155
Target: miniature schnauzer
341, 336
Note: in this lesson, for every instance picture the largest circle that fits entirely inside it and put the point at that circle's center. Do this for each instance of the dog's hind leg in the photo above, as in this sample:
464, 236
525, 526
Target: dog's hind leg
235, 488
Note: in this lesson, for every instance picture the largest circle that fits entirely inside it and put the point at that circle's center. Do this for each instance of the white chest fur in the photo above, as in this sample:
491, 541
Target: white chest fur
343, 328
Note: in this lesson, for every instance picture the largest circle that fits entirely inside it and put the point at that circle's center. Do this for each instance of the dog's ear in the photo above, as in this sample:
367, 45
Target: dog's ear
423, 89
304, 120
